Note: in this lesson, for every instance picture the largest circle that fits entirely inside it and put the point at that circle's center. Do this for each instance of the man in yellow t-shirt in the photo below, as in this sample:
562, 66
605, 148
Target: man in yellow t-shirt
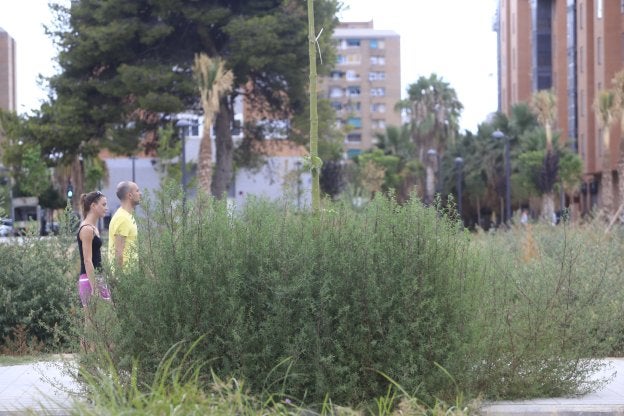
122, 231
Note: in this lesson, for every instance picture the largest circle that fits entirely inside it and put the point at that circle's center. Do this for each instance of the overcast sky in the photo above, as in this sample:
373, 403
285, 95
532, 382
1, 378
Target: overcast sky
453, 38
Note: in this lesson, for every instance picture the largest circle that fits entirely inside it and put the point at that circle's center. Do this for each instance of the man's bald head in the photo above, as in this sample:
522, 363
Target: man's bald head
128, 192
123, 188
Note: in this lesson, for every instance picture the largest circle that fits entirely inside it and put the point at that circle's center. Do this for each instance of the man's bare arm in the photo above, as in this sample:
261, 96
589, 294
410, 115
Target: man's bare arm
120, 244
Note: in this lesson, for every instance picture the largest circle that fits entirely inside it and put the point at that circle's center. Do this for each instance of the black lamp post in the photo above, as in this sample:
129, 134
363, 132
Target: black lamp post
459, 165
181, 124
133, 159
298, 165
498, 135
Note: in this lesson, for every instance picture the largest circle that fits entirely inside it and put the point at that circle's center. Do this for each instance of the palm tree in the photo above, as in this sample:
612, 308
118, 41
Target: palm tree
604, 108
618, 91
544, 106
434, 111
213, 81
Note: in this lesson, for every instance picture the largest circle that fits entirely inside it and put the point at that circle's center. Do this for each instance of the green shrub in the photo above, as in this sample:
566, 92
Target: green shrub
342, 295
547, 301
37, 289
322, 304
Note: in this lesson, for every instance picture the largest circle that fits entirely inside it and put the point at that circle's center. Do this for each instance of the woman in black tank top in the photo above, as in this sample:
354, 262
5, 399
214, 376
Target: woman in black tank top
93, 207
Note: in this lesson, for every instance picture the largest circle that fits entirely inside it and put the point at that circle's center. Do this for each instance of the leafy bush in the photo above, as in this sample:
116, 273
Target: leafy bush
336, 298
322, 304
37, 289
548, 301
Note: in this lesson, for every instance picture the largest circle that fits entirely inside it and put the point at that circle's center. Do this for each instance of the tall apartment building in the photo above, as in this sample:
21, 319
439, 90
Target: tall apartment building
574, 47
365, 85
8, 94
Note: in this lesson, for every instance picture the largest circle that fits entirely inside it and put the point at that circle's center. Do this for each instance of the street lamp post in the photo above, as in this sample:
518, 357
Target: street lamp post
181, 131
133, 159
459, 164
298, 165
498, 135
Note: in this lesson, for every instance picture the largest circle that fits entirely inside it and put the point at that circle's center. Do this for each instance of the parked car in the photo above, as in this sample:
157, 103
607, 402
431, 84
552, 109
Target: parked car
6, 227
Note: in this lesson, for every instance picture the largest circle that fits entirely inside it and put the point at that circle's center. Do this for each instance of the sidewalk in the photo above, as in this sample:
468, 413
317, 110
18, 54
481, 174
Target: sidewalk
609, 400
37, 388
46, 388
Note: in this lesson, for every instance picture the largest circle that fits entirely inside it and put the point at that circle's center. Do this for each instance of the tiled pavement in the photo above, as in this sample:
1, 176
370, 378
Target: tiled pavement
48, 388
37, 388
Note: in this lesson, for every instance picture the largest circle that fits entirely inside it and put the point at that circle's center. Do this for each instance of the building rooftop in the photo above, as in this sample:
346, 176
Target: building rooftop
363, 33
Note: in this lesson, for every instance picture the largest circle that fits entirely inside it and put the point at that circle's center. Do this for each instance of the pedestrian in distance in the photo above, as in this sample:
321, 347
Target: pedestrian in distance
122, 231
91, 281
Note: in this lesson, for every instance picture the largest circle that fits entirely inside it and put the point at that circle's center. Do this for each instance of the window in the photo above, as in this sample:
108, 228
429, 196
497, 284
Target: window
353, 43
377, 60
354, 59
336, 105
622, 6
599, 8
600, 142
336, 92
379, 44
599, 50
581, 60
377, 92
581, 16
376, 76
354, 137
378, 108
355, 122
353, 107
582, 103
352, 76
337, 74
379, 124
341, 59
353, 91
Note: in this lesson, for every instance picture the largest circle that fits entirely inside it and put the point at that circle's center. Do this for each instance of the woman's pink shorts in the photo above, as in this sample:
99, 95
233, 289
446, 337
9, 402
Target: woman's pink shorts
84, 290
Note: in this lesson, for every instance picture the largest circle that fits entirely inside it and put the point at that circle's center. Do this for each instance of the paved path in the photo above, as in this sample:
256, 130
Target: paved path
47, 388
609, 400
38, 388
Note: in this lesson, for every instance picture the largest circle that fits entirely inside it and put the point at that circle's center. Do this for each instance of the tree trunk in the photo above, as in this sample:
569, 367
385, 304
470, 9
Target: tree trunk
77, 180
429, 185
606, 192
548, 207
204, 164
225, 149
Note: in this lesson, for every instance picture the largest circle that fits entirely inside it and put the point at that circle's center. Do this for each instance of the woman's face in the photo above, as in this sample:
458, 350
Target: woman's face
99, 207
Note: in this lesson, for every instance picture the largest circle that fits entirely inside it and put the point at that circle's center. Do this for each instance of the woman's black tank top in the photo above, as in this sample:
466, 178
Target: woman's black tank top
96, 254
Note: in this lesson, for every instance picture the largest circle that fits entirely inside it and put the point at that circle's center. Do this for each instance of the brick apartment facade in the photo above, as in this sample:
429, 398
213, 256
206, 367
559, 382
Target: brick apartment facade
365, 85
7, 72
574, 47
